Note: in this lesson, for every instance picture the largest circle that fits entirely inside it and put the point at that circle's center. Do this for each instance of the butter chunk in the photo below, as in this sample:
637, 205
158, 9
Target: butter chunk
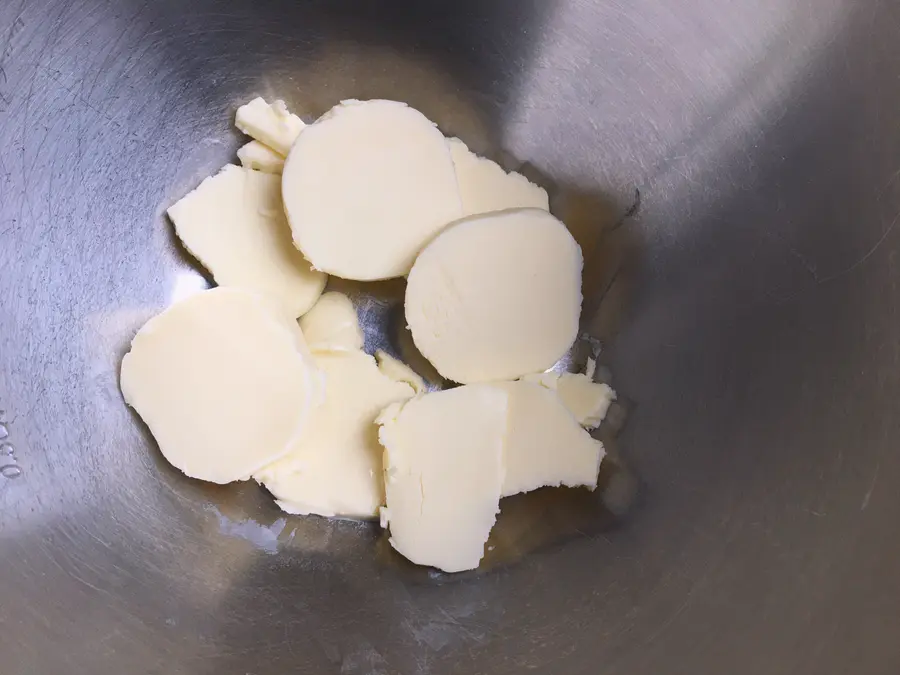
233, 223
496, 296
443, 455
399, 371
335, 468
255, 155
484, 186
587, 400
590, 368
366, 187
545, 446
332, 325
224, 382
272, 125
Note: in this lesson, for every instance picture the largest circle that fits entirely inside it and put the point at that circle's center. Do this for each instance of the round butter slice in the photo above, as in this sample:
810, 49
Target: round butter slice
496, 296
443, 468
335, 468
234, 224
367, 187
224, 381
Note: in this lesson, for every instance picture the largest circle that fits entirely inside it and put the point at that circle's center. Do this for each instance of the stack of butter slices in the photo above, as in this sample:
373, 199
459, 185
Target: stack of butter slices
265, 376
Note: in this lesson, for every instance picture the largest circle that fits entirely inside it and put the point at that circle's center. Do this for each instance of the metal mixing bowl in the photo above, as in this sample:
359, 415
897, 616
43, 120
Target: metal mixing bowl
748, 308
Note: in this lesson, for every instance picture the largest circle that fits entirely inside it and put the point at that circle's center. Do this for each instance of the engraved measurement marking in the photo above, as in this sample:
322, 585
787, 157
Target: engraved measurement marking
9, 463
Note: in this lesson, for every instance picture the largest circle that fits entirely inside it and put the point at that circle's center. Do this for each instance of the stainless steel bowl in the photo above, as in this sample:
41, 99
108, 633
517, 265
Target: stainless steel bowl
748, 307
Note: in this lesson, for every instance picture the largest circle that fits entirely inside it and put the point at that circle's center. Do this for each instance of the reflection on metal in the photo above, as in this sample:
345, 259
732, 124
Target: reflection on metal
186, 284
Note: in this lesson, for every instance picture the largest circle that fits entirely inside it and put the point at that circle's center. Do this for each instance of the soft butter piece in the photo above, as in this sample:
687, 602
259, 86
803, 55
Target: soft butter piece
272, 125
545, 446
443, 468
484, 186
366, 187
224, 382
587, 400
399, 371
332, 325
335, 468
255, 155
496, 296
234, 224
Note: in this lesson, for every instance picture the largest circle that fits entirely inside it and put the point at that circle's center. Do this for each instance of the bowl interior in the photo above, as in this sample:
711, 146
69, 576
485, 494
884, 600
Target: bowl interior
731, 172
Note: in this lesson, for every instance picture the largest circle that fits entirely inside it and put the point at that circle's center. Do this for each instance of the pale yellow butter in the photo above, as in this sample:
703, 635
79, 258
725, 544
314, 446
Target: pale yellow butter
224, 381
366, 187
270, 124
332, 325
497, 296
335, 468
484, 186
587, 400
234, 224
255, 155
443, 464
399, 371
544, 444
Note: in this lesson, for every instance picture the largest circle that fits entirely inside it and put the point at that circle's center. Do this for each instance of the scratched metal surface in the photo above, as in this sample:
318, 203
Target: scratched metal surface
750, 318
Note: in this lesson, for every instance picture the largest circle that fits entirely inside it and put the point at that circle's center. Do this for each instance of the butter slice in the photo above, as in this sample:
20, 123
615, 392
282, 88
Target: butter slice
332, 325
587, 400
366, 187
255, 155
496, 296
484, 186
335, 468
443, 467
545, 446
272, 125
399, 371
224, 382
233, 223
590, 368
